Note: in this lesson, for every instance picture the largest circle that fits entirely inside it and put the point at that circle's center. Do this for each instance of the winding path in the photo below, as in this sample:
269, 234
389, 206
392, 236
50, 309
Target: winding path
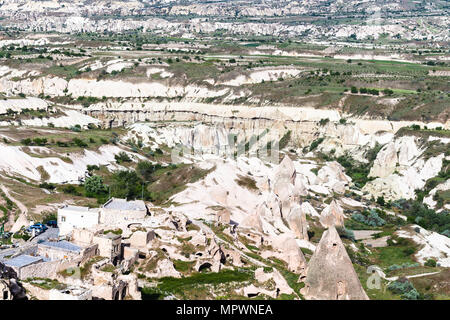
20, 205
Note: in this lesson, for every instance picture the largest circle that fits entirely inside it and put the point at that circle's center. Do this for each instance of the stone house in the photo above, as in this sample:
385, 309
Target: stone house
21, 262
70, 217
120, 211
109, 246
114, 213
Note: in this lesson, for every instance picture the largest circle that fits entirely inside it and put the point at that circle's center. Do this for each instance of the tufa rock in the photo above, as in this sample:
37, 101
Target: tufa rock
330, 274
332, 215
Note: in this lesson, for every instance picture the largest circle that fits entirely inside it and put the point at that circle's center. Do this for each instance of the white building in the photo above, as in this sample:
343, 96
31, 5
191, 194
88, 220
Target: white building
70, 217
114, 213
120, 211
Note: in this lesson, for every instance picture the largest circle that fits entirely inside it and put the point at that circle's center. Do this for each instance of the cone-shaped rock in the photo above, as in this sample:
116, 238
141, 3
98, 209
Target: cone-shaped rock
330, 274
291, 253
333, 215
297, 222
285, 171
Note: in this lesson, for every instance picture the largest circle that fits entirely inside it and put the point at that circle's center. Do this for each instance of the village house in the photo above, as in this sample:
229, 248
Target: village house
21, 262
119, 211
70, 217
109, 246
115, 212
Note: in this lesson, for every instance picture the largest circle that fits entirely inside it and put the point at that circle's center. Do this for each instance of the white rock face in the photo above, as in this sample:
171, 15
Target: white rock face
18, 105
262, 76
440, 187
401, 169
71, 119
435, 245
165, 268
116, 89
16, 162
385, 163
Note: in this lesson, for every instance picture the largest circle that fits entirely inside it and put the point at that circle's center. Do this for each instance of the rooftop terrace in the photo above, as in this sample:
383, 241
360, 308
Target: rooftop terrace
63, 245
123, 204
22, 261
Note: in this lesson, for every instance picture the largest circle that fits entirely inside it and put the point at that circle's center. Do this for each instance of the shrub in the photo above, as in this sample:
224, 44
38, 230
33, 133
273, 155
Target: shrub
91, 167
26, 142
430, 263
48, 186
380, 201
404, 288
146, 169
346, 233
76, 128
94, 186
80, 143
372, 219
122, 157
71, 190
315, 144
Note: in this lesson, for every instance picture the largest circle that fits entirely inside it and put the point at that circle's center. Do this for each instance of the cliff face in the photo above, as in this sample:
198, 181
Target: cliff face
303, 122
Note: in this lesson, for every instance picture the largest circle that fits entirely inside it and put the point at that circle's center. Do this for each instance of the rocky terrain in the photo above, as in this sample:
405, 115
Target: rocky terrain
281, 152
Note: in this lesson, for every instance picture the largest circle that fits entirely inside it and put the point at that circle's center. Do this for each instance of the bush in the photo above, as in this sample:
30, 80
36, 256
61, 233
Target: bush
71, 190
127, 184
315, 144
80, 143
48, 186
94, 186
388, 92
91, 167
371, 219
380, 201
346, 233
404, 288
26, 142
146, 169
76, 128
403, 266
122, 157
430, 263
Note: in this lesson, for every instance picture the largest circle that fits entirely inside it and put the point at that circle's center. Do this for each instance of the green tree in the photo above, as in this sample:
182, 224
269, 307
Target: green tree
127, 184
94, 186
145, 169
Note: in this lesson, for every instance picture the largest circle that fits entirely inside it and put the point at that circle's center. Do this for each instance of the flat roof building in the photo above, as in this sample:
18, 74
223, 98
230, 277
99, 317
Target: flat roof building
70, 217
124, 204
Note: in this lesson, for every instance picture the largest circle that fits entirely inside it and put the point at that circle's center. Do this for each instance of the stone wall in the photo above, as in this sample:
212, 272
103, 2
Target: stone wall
46, 269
